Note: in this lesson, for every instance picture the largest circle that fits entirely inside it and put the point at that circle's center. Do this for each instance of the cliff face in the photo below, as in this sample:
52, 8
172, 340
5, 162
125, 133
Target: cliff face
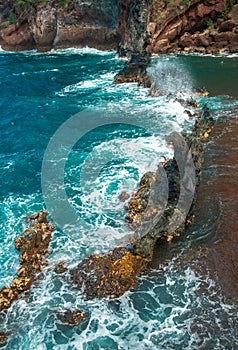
127, 25
48, 25
134, 21
204, 26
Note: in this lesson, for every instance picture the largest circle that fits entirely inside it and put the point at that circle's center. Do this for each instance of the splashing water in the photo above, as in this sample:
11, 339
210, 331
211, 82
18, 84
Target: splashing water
173, 307
171, 78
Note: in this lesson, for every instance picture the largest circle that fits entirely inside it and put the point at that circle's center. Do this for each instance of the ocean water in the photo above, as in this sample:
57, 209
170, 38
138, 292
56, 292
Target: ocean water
118, 133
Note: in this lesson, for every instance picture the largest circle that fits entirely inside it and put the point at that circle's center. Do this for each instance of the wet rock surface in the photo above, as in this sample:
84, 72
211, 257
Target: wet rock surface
143, 209
3, 336
108, 275
218, 256
33, 245
113, 273
72, 317
135, 70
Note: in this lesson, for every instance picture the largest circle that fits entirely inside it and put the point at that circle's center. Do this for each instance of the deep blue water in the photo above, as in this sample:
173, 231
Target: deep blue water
125, 138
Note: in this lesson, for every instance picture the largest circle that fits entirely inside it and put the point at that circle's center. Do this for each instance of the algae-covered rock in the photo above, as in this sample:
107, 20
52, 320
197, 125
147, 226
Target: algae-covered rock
108, 275
32, 244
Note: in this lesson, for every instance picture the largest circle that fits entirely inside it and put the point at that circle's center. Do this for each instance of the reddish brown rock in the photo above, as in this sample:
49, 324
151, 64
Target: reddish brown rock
202, 40
224, 37
159, 26
191, 22
3, 336
227, 26
186, 40
17, 37
161, 46
60, 268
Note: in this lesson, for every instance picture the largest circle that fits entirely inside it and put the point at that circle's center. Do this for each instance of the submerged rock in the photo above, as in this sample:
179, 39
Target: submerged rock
3, 337
60, 268
33, 245
201, 92
124, 196
72, 317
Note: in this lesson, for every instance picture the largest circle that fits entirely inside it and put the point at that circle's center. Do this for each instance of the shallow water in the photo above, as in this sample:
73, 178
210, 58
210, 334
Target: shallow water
175, 306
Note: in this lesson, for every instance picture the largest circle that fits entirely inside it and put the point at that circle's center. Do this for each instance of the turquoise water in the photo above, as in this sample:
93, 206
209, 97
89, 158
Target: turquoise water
172, 308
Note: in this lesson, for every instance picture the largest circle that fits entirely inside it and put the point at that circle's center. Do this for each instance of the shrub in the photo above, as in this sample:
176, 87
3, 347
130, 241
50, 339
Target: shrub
11, 19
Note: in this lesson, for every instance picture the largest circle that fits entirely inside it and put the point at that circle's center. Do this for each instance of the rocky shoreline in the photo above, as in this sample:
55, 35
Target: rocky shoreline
110, 274
128, 26
136, 29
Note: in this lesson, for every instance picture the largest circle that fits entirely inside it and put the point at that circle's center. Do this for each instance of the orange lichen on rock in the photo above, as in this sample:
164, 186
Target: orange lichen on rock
108, 275
33, 244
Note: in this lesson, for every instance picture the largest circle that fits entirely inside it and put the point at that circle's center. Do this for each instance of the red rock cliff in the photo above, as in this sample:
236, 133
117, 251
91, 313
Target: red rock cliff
127, 25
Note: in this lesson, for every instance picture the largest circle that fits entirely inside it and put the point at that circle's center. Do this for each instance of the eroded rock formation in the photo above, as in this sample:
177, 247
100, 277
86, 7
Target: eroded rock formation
180, 183
203, 26
130, 26
112, 274
135, 70
33, 245
60, 24
108, 275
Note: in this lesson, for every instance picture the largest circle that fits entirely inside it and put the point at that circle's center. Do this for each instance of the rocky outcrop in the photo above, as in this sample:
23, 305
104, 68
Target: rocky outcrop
193, 26
134, 23
44, 28
108, 275
131, 26
113, 273
179, 181
50, 25
33, 245
135, 70
3, 336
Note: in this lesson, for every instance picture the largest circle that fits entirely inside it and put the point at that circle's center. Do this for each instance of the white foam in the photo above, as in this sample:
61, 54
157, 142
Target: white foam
171, 79
84, 50
162, 312
13, 212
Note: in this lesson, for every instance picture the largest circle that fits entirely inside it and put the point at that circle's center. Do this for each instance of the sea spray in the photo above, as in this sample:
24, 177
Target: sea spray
171, 79
167, 308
